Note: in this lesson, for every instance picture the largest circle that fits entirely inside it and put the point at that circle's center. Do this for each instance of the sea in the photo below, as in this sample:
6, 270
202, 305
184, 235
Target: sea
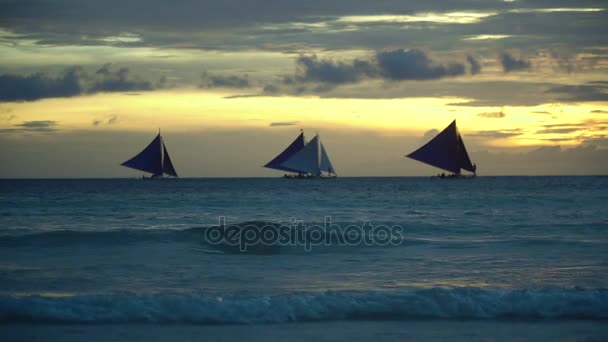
264, 259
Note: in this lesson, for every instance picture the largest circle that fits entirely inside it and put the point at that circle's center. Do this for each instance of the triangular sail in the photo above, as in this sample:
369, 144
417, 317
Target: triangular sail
325, 162
293, 148
167, 164
306, 160
442, 151
445, 151
465, 161
148, 160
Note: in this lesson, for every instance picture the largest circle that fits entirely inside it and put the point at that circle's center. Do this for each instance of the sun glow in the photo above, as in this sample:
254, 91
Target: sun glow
188, 111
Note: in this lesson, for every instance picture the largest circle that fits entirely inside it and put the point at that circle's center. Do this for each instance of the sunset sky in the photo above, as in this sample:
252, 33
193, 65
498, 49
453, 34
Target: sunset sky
85, 85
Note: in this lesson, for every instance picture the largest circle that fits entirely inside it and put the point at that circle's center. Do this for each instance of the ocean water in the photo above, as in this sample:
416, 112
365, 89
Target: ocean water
497, 258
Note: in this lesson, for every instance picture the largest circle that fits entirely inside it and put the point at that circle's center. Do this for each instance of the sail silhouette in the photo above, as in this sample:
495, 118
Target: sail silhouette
304, 158
292, 149
446, 151
153, 159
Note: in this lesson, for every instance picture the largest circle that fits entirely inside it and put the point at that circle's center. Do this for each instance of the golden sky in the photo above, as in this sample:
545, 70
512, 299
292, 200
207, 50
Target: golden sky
518, 77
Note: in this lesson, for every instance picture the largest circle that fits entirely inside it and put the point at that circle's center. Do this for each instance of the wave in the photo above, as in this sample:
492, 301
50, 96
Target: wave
201, 308
232, 237
109, 237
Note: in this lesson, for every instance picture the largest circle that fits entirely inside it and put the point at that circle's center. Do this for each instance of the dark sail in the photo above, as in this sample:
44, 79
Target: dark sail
446, 151
148, 160
465, 161
167, 164
292, 149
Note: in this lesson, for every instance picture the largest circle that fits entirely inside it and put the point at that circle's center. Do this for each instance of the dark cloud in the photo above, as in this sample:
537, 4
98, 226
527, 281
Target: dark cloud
242, 96
592, 91
224, 81
312, 69
315, 75
545, 160
111, 120
285, 123
72, 81
280, 25
393, 65
271, 89
510, 63
37, 124
38, 85
498, 134
414, 65
495, 115
106, 80
600, 141
558, 130
475, 65
41, 126
599, 111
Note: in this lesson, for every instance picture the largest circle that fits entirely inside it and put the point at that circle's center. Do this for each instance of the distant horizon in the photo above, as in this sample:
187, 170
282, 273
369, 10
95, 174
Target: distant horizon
281, 177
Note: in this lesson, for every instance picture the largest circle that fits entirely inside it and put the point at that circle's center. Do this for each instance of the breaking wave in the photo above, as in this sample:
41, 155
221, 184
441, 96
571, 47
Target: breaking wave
200, 308
405, 236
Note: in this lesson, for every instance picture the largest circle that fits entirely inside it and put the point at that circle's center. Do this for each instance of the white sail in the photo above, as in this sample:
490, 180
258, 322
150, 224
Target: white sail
307, 160
325, 162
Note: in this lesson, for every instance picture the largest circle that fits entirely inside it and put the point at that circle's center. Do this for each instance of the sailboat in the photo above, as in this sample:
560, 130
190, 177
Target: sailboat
446, 151
153, 159
304, 160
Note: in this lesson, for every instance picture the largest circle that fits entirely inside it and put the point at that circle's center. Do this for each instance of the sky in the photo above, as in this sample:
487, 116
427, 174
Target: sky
86, 84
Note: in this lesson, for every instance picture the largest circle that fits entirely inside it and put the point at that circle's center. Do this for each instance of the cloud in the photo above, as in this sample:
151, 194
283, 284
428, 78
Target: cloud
428, 135
315, 75
497, 134
285, 123
106, 80
414, 65
592, 91
599, 111
558, 130
37, 85
547, 160
496, 115
111, 120
37, 124
392, 65
223, 81
41, 126
600, 141
73, 81
312, 69
475, 65
510, 63
271, 89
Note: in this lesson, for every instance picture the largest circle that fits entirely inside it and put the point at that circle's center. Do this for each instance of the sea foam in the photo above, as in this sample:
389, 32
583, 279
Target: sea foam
201, 308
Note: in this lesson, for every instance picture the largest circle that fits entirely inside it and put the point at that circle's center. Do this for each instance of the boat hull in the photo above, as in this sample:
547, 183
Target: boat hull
310, 176
454, 176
